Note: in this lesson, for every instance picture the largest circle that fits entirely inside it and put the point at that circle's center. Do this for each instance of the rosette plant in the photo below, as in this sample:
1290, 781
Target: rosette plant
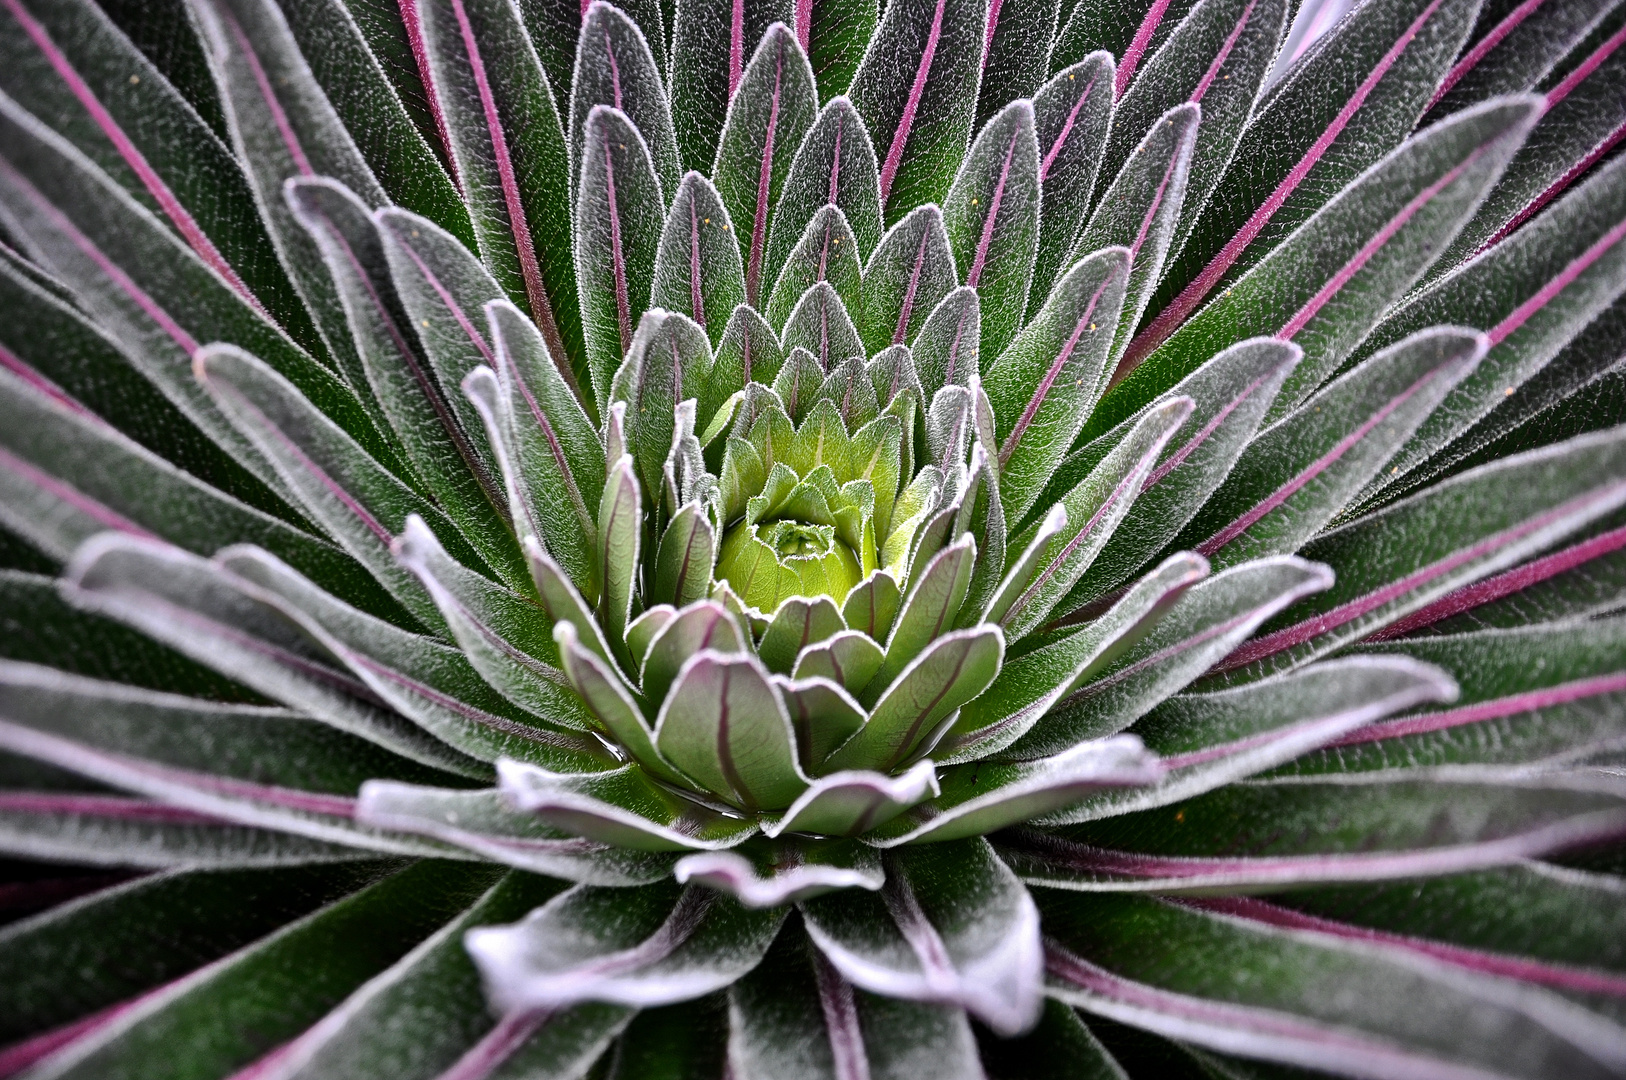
809, 540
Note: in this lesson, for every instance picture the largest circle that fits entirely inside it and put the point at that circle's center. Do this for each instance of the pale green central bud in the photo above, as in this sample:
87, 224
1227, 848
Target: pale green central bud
771, 561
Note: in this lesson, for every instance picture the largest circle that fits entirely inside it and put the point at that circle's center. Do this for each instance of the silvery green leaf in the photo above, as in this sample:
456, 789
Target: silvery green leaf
849, 659
623, 808
835, 165
798, 623
620, 530
669, 360
1017, 56
821, 325
1071, 116
827, 251
853, 802
763, 874
615, 68
697, 267
685, 557
821, 709
910, 271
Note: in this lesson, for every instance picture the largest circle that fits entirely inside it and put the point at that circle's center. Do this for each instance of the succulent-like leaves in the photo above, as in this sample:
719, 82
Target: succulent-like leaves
697, 268
827, 252
712, 43
766, 874
1071, 115
1016, 57
615, 68
851, 803
910, 272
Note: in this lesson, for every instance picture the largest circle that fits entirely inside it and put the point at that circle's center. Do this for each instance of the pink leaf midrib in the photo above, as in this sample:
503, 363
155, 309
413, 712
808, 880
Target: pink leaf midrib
900, 136
1529, 701
759, 223
1066, 129
1138, 45
987, 237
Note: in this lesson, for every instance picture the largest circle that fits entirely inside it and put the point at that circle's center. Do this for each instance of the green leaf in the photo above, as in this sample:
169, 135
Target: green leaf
911, 715
917, 89
764, 873
1532, 293
798, 623
226, 1015
697, 269
1060, 1048
795, 1016
852, 802
1044, 385
683, 943
837, 36
1140, 209
1300, 472
1204, 624
711, 45
620, 531
1093, 510
725, 725
821, 325
773, 108
1030, 684
1017, 57
833, 166
909, 273
1209, 740
953, 925
1072, 114
485, 823
1230, 394
872, 605
669, 361
1517, 53
623, 808
822, 711
1179, 971
946, 349
704, 625
1456, 532
615, 69
1404, 823
934, 599
685, 558
849, 659
992, 217
827, 252
1327, 285
619, 208
981, 797
558, 459
509, 150
749, 352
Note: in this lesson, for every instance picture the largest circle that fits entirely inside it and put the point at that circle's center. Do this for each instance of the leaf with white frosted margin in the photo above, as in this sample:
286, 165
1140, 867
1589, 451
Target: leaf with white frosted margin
69, 61
1093, 509
1543, 693
798, 623
1518, 53
771, 111
797, 384
1330, 1006
141, 284
282, 126
1296, 475
1202, 626
112, 830
851, 394
1072, 114
1017, 58
1217, 58
821, 325
952, 924
946, 349
196, 609
917, 89
623, 808
556, 450
685, 558
669, 361
1328, 284
1532, 294
793, 1015
826, 252
65, 476
764, 874
503, 131
981, 797
1395, 561
1581, 124
908, 275
1209, 740
821, 710
360, 504
619, 212
262, 767
505, 637
706, 624
697, 267
1044, 385
394, 367
615, 68
835, 165
914, 711
620, 529
220, 1017
564, 604
992, 217
651, 945
872, 605
1354, 97
377, 1030
1140, 209
935, 597
1301, 831
711, 44
1029, 685
1230, 393
852, 802
724, 724
487, 824
850, 659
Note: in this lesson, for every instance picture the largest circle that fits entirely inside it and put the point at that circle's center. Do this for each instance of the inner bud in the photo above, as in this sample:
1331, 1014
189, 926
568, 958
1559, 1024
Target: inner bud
771, 561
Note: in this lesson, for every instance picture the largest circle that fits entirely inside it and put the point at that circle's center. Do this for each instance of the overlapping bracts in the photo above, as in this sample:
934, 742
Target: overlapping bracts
806, 540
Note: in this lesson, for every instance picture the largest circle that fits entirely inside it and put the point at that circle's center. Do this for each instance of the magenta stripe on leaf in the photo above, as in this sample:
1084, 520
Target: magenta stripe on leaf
894, 154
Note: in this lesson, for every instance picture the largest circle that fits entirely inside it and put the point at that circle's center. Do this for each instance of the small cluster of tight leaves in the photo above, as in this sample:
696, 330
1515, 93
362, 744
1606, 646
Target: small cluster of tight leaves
806, 538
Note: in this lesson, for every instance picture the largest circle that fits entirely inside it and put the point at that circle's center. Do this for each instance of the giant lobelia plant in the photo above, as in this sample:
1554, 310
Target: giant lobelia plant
804, 540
